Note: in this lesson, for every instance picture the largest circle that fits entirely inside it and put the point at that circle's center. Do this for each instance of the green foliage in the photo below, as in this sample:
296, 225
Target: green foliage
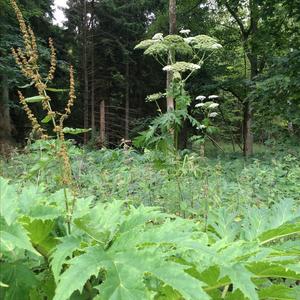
35, 99
117, 250
75, 130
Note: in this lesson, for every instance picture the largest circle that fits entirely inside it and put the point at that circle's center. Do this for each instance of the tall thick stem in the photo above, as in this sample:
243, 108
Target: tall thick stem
172, 30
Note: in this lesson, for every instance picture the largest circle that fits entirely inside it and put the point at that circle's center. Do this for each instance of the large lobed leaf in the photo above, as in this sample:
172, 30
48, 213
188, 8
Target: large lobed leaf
125, 272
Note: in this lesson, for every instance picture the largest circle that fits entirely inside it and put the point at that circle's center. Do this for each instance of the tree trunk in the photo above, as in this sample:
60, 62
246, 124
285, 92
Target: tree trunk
248, 37
250, 50
247, 120
127, 101
172, 30
5, 121
247, 133
102, 124
93, 77
85, 74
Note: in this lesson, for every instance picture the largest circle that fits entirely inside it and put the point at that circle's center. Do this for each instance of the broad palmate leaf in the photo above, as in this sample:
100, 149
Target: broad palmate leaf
125, 272
62, 251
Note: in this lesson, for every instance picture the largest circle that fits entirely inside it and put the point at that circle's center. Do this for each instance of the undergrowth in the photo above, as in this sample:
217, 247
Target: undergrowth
200, 229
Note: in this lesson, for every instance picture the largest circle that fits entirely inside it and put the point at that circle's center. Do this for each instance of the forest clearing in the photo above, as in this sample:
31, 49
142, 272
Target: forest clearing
150, 149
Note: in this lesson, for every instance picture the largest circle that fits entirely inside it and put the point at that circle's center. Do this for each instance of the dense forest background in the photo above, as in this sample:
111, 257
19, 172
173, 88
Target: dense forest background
256, 73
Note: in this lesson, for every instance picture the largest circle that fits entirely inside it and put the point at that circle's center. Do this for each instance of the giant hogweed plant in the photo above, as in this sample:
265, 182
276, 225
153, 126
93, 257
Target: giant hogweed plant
181, 56
118, 251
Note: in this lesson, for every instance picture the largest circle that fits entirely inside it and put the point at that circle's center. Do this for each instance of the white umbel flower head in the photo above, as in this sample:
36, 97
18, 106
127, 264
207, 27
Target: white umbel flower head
184, 31
213, 105
167, 68
200, 97
213, 97
201, 126
213, 114
216, 46
181, 66
158, 36
199, 104
189, 40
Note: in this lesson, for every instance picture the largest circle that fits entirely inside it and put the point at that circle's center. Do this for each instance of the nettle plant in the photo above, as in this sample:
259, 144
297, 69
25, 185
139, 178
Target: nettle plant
180, 55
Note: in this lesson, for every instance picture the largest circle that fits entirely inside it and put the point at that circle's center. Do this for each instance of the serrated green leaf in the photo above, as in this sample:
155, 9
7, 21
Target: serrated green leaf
272, 270
241, 279
61, 252
39, 230
279, 292
211, 276
46, 120
175, 276
236, 295
75, 130
20, 280
45, 212
14, 236
35, 99
279, 232
126, 270
81, 269
8, 202
30, 197
125, 273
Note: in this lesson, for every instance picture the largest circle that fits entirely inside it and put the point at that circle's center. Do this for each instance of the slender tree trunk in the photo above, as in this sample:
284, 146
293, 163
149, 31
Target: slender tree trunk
102, 124
253, 60
127, 101
93, 77
172, 30
85, 73
248, 115
247, 133
5, 121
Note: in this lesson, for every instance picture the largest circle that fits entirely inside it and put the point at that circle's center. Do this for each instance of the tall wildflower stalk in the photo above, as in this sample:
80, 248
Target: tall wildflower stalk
27, 60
